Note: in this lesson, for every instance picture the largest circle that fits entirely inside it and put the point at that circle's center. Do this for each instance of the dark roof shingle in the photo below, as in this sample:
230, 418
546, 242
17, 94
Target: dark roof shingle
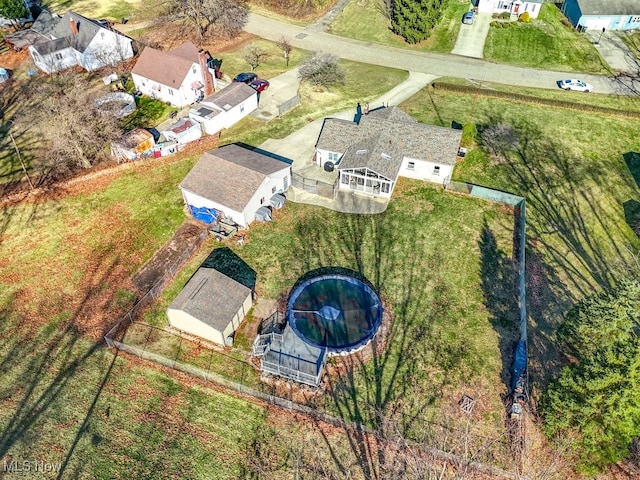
230, 175
391, 132
211, 297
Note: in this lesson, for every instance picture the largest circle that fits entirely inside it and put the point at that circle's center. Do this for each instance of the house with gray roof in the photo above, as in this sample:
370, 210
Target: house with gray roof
599, 14
59, 42
385, 144
236, 182
180, 76
514, 7
225, 108
211, 306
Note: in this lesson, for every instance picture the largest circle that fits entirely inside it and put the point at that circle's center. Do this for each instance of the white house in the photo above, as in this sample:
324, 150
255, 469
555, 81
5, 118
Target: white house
513, 7
225, 107
180, 76
211, 306
235, 181
607, 15
387, 143
57, 43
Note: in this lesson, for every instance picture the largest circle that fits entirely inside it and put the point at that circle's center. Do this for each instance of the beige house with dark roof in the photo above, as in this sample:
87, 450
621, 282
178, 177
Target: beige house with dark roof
235, 181
387, 143
180, 76
225, 108
211, 306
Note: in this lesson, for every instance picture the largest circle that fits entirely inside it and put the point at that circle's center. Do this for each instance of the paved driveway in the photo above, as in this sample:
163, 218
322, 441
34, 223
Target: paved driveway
614, 51
281, 88
471, 38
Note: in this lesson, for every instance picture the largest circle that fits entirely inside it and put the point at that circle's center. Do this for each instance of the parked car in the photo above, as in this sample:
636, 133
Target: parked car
245, 77
259, 85
575, 84
469, 17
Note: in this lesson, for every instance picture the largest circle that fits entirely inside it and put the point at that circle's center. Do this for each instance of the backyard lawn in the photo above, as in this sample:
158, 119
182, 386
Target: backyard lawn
579, 188
544, 43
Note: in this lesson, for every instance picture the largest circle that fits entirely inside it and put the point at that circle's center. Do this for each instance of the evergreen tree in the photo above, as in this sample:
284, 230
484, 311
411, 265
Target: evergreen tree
414, 19
13, 9
597, 401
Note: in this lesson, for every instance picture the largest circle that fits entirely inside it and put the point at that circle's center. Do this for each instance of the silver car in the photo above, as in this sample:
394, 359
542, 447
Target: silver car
574, 84
468, 18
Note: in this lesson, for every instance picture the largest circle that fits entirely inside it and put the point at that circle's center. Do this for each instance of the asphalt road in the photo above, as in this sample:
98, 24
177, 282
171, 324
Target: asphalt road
435, 64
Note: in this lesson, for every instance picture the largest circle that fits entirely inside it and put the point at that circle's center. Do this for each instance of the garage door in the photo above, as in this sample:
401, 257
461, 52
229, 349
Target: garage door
597, 23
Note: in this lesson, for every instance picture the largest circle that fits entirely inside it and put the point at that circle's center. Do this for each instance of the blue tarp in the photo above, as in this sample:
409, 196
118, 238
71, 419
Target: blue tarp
519, 363
206, 215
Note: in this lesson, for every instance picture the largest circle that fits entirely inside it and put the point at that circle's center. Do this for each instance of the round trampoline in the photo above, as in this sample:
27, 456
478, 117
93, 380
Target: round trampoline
337, 312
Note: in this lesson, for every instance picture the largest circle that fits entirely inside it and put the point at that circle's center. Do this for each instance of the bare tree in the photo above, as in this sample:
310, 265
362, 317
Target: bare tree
254, 56
285, 45
323, 70
227, 17
60, 113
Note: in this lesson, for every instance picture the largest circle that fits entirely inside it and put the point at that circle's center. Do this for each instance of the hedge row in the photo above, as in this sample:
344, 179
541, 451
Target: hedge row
533, 100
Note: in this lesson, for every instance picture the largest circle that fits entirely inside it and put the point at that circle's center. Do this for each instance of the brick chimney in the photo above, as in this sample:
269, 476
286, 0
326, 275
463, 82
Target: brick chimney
207, 78
74, 27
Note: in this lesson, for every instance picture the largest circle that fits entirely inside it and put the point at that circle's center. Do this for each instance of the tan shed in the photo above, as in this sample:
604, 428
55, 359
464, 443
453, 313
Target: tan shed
211, 306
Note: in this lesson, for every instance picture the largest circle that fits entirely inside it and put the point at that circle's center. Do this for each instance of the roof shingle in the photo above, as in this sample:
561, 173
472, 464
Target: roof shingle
230, 175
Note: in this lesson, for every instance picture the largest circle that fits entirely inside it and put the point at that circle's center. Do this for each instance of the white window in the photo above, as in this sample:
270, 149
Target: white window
261, 200
170, 92
193, 69
436, 170
344, 178
102, 35
58, 56
273, 190
242, 107
411, 166
385, 187
635, 20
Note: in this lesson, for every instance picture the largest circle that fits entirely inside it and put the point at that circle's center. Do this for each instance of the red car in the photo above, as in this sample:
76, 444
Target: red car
259, 85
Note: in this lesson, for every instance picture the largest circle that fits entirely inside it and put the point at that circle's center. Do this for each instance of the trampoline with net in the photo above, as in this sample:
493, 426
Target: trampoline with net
338, 312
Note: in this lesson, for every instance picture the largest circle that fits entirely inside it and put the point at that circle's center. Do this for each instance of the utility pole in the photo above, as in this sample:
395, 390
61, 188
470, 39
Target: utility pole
24, 167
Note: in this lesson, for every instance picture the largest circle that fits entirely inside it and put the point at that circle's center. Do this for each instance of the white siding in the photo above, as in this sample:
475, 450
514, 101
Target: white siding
106, 48
198, 201
55, 61
177, 95
499, 6
211, 126
265, 191
237, 113
423, 170
323, 156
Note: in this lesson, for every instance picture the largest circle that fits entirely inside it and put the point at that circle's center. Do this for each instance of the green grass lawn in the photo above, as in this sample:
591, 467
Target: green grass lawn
579, 188
544, 43
367, 20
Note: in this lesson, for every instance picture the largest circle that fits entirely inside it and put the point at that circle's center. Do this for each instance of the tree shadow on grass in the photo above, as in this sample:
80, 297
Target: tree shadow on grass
568, 229
392, 386
500, 286
41, 368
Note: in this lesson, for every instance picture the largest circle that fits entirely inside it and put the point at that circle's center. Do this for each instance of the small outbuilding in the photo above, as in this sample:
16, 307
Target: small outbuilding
225, 108
134, 145
235, 181
183, 131
603, 15
211, 306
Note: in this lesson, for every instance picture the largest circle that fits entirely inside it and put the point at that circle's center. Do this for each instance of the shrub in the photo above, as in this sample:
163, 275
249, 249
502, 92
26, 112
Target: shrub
323, 70
504, 16
493, 24
524, 18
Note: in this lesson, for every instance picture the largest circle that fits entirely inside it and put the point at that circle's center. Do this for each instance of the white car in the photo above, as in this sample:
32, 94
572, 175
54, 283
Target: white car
574, 84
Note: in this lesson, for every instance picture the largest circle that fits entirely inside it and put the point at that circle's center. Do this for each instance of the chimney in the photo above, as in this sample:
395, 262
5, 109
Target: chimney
207, 78
74, 27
